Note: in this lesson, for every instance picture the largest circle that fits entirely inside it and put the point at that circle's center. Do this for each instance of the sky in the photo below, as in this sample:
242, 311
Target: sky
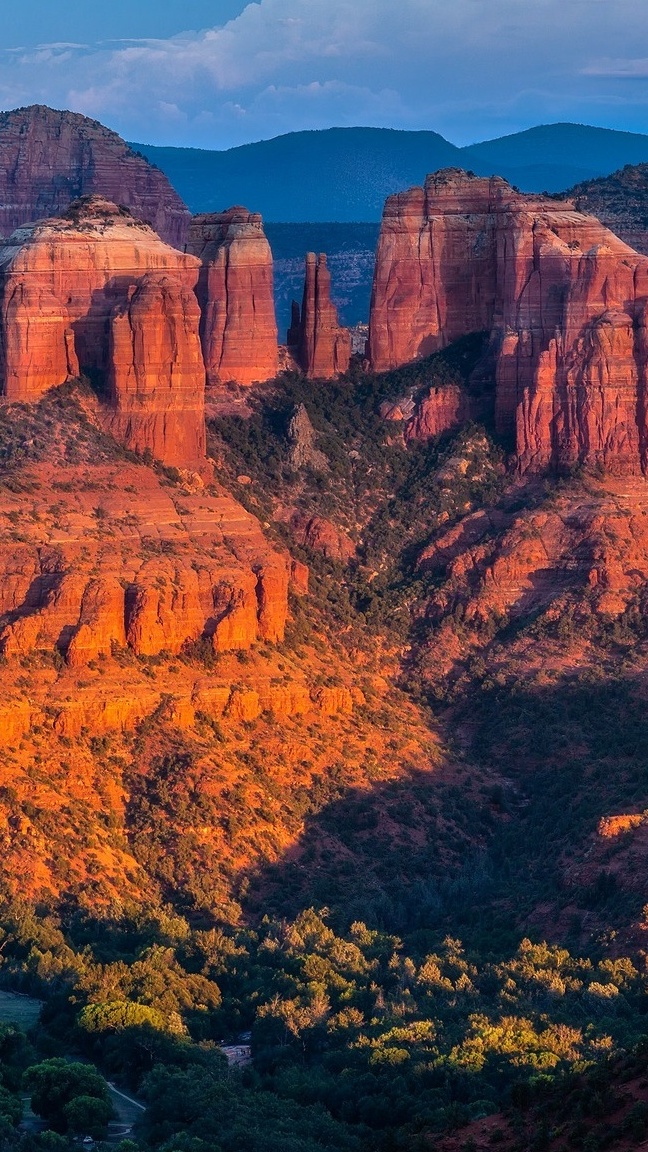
218, 73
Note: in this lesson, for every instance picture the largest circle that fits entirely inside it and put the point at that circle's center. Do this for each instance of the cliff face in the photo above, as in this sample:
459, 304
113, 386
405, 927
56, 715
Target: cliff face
50, 158
562, 298
239, 330
321, 347
99, 293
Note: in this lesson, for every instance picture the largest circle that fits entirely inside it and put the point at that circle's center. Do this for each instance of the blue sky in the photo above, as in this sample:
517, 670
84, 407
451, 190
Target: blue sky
216, 73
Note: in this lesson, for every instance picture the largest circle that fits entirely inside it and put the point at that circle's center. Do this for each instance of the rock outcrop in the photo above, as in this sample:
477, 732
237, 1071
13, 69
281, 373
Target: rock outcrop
238, 329
564, 301
50, 158
96, 292
442, 410
156, 372
154, 569
303, 451
620, 201
320, 346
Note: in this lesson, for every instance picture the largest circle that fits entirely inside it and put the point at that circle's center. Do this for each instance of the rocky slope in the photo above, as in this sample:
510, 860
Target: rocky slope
97, 292
619, 201
321, 347
561, 296
239, 330
50, 158
143, 612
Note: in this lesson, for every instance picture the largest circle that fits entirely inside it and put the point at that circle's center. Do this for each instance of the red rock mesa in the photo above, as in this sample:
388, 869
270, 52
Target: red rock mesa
97, 292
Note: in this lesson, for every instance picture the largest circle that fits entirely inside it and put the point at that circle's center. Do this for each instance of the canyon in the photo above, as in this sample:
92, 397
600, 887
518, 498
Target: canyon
323, 691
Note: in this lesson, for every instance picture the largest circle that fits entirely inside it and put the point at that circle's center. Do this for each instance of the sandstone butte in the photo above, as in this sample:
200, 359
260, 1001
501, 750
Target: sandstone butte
563, 299
50, 158
320, 346
97, 292
235, 291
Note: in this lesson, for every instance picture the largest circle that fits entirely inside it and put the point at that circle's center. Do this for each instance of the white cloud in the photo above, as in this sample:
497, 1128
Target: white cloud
467, 68
632, 69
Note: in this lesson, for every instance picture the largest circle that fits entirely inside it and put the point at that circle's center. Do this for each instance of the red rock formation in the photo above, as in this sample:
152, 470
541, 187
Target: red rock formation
101, 622
239, 330
50, 158
562, 297
442, 410
157, 568
66, 283
321, 347
156, 371
322, 536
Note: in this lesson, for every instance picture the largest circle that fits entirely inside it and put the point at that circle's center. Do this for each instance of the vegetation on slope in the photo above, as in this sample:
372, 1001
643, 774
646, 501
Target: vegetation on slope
411, 906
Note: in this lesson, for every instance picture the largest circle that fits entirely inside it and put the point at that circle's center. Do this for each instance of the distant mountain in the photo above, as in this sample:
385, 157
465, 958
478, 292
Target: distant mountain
341, 174
345, 174
544, 155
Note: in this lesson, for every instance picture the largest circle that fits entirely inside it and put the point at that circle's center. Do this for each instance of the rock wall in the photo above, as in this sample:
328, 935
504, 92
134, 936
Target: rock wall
564, 301
320, 346
238, 329
50, 158
96, 292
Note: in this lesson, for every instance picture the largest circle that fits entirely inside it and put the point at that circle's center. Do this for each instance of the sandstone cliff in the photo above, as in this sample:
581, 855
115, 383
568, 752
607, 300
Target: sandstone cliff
50, 158
564, 301
127, 562
321, 347
238, 329
96, 292
156, 371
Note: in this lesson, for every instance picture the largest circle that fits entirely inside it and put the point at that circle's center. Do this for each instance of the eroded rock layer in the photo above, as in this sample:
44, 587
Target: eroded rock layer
50, 158
239, 329
321, 347
127, 563
564, 301
96, 292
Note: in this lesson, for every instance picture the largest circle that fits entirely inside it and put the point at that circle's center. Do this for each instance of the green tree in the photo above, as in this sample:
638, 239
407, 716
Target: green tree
54, 1084
88, 1116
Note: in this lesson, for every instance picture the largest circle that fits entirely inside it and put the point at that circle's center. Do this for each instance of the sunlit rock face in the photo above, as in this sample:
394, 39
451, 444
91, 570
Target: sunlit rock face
49, 158
564, 301
98, 293
239, 329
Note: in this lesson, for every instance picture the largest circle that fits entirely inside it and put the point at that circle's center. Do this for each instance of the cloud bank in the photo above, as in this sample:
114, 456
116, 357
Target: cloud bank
467, 68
